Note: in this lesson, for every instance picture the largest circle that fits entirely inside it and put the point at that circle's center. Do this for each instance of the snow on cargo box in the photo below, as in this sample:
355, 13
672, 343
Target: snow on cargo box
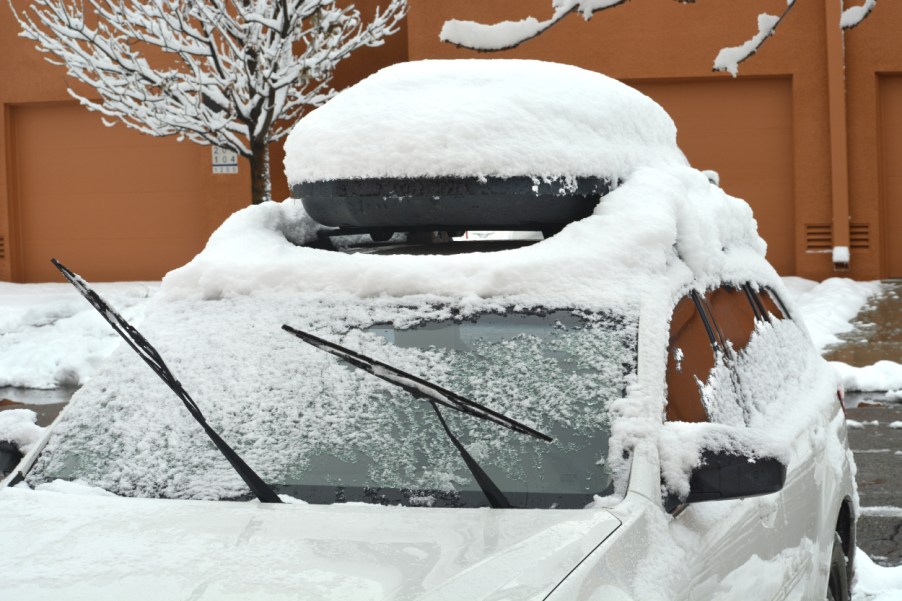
480, 143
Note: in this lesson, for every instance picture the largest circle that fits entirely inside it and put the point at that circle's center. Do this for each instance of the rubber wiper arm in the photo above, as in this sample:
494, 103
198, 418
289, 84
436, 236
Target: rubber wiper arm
150, 355
435, 395
417, 386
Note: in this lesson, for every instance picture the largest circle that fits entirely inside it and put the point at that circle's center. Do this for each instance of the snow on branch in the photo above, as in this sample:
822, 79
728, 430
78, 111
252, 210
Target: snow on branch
233, 73
854, 15
509, 34
728, 59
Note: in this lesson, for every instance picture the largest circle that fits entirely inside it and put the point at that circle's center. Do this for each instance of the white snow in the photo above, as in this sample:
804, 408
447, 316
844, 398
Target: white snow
851, 423
828, 307
51, 337
875, 583
841, 254
883, 375
498, 117
884, 511
728, 59
507, 34
18, 426
895, 425
854, 15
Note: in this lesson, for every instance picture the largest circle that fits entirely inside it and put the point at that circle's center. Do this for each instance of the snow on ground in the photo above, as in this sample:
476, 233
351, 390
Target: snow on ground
875, 583
51, 337
883, 375
828, 307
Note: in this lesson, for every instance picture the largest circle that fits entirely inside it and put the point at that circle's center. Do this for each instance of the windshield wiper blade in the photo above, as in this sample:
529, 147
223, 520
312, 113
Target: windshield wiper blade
435, 395
150, 355
417, 386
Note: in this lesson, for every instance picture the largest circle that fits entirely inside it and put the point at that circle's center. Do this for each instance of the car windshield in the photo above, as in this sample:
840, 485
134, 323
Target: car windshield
351, 437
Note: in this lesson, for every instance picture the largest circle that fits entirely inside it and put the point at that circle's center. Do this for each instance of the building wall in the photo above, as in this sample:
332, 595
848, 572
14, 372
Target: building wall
781, 159
814, 145
112, 203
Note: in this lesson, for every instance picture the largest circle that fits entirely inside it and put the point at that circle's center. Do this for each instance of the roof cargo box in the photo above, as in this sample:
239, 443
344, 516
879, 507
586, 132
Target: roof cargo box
456, 203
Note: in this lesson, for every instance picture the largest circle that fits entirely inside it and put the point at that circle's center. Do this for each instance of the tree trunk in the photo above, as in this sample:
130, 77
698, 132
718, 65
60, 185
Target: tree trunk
261, 188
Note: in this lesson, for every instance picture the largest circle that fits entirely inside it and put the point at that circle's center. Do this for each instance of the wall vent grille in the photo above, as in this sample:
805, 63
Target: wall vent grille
2, 248
860, 234
818, 236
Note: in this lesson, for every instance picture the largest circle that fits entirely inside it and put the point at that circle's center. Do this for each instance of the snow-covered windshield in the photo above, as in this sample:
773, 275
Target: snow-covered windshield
556, 371
332, 433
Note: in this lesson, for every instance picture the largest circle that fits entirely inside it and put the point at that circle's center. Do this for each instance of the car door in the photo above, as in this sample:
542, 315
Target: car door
731, 543
778, 368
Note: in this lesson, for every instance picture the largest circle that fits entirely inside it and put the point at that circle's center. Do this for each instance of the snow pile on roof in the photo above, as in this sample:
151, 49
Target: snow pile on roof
481, 118
631, 240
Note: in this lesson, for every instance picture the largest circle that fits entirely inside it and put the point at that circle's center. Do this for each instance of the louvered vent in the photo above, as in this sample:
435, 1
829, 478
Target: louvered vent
818, 237
2, 248
860, 236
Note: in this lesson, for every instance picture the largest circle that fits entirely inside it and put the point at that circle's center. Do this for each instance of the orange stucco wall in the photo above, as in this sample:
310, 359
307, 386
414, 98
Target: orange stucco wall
770, 133
82, 202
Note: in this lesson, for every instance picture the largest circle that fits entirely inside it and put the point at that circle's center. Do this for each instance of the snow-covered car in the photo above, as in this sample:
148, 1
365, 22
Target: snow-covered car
626, 409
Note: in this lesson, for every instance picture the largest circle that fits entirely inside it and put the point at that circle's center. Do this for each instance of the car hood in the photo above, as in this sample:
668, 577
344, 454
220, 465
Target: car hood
103, 547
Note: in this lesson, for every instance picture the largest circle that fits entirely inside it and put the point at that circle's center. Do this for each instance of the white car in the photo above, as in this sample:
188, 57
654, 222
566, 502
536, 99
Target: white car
627, 409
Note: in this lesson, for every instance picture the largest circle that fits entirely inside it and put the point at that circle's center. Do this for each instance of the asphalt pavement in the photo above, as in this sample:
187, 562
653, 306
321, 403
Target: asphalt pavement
877, 447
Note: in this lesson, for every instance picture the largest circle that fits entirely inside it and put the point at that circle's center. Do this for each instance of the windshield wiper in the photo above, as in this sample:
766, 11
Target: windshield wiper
150, 355
435, 395
415, 385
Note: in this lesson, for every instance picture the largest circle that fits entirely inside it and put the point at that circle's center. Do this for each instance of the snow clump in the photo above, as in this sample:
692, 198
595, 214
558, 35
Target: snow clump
19, 427
466, 118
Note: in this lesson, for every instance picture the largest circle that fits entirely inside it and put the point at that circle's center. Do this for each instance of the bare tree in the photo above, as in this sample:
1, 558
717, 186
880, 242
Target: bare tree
510, 34
232, 73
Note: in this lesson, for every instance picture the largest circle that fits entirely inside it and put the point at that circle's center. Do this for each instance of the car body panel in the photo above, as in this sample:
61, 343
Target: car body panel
106, 547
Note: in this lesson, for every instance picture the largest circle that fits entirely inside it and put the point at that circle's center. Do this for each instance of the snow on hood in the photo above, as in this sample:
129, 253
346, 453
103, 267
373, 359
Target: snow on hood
481, 117
158, 549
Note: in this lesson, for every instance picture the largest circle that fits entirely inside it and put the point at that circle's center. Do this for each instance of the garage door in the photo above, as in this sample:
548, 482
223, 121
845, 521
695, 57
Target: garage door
891, 172
741, 128
109, 202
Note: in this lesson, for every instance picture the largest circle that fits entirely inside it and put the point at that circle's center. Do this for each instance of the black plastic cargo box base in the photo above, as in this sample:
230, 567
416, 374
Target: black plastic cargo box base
516, 203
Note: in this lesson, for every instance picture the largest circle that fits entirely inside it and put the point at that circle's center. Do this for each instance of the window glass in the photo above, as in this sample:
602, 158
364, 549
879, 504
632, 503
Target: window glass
324, 432
772, 303
690, 359
734, 315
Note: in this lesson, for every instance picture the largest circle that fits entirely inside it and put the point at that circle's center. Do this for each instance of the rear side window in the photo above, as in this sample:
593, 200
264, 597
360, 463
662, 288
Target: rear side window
690, 359
772, 303
734, 315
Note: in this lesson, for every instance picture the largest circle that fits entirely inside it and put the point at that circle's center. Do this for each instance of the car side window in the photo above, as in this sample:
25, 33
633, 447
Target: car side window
772, 304
690, 360
734, 315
